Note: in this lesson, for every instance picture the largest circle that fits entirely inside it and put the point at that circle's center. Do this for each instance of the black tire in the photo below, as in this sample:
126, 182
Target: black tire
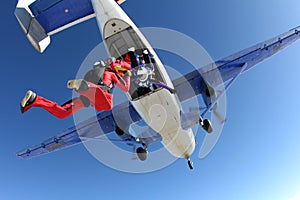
207, 126
190, 163
141, 153
119, 131
207, 93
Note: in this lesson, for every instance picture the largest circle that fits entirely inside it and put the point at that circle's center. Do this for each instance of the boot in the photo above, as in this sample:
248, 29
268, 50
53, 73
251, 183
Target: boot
28, 99
79, 84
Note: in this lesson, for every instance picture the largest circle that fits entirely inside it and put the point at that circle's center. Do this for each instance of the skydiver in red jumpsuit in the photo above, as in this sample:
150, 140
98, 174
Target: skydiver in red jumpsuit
117, 65
92, 92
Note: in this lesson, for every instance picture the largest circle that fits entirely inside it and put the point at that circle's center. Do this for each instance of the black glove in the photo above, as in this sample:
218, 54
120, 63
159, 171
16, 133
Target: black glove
127, 73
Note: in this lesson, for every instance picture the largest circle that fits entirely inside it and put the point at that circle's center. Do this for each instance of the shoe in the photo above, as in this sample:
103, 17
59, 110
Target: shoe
28, 99
145, 52
74, 84
172, 91
79, 84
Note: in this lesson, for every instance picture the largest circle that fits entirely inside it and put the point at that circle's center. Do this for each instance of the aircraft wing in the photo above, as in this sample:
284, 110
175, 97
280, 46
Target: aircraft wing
103, 124
41, 18
231, 66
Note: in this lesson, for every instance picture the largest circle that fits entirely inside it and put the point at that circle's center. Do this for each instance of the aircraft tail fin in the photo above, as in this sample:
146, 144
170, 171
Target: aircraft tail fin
40, 19
33, 30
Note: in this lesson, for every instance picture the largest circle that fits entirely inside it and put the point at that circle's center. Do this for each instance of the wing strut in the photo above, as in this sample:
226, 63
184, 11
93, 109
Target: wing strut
243, 67
217, 108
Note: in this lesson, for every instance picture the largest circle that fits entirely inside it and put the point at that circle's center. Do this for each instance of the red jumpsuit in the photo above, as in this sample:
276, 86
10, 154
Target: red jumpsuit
99, 99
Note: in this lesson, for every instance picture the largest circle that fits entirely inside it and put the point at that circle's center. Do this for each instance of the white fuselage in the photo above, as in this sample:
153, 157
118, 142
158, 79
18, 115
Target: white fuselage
161, 109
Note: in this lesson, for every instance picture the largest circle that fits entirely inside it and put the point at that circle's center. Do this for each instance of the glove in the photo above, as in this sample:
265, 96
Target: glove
128, 73
118, 68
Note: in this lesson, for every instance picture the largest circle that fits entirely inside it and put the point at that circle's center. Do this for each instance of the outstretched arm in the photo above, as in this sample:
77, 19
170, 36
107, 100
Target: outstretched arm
122, 82
120, 66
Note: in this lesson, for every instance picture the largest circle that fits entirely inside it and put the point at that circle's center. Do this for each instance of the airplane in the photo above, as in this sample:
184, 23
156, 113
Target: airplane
157, 105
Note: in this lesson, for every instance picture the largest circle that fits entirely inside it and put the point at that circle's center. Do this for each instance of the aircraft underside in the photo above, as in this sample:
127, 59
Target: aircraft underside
154, 98
150, 93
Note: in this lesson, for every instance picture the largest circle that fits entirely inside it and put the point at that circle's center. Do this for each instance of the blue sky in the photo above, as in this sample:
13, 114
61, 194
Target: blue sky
257, 156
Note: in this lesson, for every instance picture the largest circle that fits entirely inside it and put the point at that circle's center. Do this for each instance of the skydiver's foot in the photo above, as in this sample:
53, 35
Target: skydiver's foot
172, 91
28, 99
79, 84
74, 84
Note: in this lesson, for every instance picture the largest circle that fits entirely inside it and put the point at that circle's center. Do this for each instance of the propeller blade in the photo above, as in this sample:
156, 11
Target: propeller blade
218, 119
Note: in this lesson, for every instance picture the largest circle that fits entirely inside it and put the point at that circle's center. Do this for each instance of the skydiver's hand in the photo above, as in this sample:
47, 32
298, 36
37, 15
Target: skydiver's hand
127, 73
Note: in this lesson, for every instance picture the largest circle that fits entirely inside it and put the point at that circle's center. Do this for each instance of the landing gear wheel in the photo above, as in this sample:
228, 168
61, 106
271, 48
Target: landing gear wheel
190, 163
119, 131
206, 125
141, 153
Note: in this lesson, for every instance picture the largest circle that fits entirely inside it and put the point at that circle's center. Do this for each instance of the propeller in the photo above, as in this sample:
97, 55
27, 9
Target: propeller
217, 120
217, 109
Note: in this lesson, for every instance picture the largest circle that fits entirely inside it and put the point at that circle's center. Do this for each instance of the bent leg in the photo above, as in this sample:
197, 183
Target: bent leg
99, 99
58, 111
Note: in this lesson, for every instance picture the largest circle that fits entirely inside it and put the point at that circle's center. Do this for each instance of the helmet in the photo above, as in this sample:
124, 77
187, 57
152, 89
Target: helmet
109, 60
99, 63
